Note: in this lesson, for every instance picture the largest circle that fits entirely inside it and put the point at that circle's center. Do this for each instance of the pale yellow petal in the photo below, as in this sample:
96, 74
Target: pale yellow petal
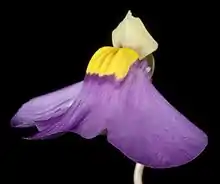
131, 33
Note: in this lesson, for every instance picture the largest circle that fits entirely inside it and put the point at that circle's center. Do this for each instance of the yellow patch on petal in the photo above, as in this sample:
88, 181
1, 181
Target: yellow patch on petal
112, 61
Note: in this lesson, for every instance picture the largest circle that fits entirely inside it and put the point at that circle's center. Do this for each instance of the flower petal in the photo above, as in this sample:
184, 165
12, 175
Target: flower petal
46, 109
147, 129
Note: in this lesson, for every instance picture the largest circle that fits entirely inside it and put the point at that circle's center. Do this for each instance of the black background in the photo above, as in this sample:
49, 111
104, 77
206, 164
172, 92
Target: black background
48, 46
